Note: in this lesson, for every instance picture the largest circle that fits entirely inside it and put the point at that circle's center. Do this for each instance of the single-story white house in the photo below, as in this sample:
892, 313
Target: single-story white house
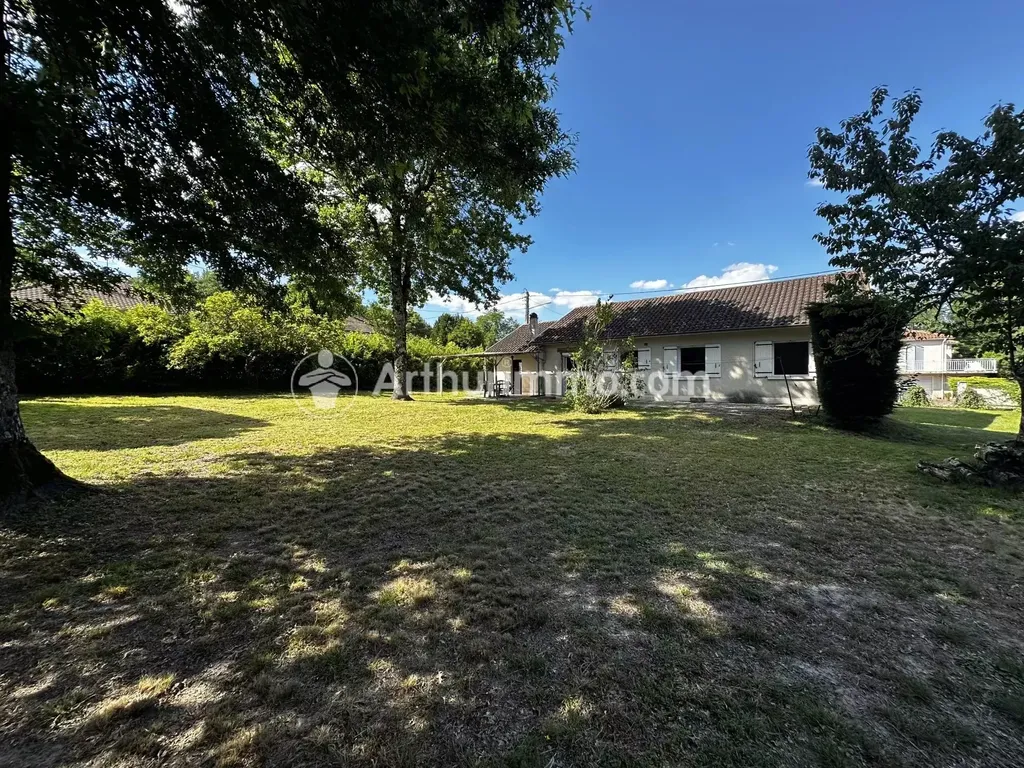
745, 341
749, 340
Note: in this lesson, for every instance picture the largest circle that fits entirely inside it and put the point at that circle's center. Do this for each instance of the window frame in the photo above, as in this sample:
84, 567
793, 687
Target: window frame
809, 375
682, 371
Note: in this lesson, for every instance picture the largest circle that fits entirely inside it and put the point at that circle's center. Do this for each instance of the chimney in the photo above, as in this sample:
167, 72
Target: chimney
533, 324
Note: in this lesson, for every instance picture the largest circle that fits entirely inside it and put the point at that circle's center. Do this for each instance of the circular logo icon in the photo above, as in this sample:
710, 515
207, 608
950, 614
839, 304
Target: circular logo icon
324, 381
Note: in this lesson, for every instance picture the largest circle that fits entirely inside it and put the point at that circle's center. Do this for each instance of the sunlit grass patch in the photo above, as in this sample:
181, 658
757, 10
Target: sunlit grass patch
143, 697
504, 583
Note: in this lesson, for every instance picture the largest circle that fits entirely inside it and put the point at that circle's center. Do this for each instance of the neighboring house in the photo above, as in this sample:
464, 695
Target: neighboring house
928, 358
122, 296
709, 344
516, 361
357, 324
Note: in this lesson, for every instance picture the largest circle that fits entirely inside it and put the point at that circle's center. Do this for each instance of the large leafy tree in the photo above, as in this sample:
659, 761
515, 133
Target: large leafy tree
443, 326
936, 228
495, 325
163, 137
126, 136
430, 205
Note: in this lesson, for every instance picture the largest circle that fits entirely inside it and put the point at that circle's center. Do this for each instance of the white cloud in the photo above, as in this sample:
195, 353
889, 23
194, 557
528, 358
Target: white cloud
454, 304
573, 299
1018, 216
514, 304
650, 285
742, 272
815, 183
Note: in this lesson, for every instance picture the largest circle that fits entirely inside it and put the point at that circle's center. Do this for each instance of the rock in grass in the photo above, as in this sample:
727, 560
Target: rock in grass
999, 464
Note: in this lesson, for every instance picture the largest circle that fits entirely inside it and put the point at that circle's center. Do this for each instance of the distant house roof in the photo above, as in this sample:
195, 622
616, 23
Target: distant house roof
126, 297
357, 324
520, 340
914, 334
120, 297
775, 304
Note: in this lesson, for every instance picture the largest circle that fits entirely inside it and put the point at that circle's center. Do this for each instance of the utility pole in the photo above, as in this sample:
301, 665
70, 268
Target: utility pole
527, 294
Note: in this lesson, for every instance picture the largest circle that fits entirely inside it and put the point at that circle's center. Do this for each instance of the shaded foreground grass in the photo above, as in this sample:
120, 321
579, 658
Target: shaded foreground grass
454, 582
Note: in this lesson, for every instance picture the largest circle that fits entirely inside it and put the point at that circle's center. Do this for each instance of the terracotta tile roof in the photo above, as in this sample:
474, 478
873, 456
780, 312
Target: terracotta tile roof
520, 340
771, 304
913, 334
358, 324
120, 297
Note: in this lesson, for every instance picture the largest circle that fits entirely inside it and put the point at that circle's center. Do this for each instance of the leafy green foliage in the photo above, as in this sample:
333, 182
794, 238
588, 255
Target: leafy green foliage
466, 334
932, 230
857, 341
1010, 388
970, 398
146, 148
604, 374
429, 203
916, 397
225, 342
495, 325
382, 319
443, 326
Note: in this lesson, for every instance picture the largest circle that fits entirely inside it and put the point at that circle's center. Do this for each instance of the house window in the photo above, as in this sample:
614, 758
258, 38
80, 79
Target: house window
792, 358
568, 364
691, 360
640, 358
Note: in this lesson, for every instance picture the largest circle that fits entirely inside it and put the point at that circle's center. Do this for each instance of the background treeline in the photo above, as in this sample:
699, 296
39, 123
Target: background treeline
223, 342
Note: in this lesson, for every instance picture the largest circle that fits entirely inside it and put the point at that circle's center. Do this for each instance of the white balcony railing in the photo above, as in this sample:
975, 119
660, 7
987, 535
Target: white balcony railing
951, 365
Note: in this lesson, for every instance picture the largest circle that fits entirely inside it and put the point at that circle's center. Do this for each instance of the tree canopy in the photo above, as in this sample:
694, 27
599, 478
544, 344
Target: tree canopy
936, 228
429, 203
269, 140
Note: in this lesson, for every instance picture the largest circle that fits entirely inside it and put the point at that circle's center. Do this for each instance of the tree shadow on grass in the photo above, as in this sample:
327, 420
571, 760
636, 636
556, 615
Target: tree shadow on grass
510, 599
83, 426
955, 429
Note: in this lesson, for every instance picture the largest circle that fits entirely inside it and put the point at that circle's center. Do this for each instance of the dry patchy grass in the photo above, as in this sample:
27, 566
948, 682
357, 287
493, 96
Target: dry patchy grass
449, 582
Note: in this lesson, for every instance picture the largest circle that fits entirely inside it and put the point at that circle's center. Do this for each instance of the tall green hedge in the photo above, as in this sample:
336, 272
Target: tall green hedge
857, 342
224, 344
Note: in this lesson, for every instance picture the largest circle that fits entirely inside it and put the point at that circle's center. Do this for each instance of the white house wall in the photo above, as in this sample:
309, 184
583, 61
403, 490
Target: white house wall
737, 366
935, 354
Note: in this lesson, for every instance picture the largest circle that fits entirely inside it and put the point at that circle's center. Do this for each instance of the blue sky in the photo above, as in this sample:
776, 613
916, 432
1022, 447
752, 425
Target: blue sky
694, 120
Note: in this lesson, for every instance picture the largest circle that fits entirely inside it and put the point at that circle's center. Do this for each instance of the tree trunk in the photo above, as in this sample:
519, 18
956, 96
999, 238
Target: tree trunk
23, 469
400, 308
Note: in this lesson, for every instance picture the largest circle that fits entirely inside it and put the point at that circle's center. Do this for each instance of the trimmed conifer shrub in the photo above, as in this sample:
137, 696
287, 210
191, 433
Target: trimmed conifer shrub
857, 341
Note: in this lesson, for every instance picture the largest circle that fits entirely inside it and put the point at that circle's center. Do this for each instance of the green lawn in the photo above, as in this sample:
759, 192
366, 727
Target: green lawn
455, 582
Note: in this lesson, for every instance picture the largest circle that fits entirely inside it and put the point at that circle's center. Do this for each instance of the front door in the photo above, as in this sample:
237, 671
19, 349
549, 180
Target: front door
517, 377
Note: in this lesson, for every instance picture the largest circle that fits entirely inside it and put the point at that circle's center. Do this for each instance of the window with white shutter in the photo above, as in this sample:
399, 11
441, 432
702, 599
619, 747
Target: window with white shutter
643, 359
764, 358
670, 359
713, 359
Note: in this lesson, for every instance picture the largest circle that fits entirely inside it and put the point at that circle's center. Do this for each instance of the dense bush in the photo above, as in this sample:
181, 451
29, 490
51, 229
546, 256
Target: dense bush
970, 398
223, 344
857, 344
1009, 386
915, 396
